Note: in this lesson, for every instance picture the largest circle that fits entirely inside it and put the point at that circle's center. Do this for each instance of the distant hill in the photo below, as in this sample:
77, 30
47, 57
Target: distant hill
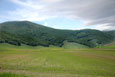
111, 33
25, 32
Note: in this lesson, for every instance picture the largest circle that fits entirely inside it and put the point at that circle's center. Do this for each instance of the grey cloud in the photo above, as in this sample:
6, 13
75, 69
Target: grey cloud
93, 12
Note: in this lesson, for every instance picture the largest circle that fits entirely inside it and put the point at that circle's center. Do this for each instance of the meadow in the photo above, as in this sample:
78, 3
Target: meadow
27, 61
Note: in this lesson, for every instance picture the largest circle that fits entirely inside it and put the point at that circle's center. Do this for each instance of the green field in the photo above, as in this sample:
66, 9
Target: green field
26, 61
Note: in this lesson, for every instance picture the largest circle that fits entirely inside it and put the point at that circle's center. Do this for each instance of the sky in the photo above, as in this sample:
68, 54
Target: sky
61, 14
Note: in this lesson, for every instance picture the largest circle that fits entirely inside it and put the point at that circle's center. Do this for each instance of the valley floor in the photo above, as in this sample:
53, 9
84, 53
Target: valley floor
56, 62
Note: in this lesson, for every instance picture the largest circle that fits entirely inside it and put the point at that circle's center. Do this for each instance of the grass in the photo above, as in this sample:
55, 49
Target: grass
72, 45
107, 47
57, 62
10, 75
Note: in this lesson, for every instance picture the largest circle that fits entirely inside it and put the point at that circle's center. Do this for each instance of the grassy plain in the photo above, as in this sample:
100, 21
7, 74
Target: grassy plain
56, 62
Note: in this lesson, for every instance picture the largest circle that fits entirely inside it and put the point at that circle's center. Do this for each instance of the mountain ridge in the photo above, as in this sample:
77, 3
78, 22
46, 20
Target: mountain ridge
29, 33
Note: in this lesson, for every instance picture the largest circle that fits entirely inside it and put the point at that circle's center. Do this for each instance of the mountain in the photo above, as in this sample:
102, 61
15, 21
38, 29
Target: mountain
26, 32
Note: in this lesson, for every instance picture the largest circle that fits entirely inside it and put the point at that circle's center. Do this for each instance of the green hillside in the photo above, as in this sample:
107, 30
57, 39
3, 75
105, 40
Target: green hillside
25, 32
111, 33
73, 45
109, 45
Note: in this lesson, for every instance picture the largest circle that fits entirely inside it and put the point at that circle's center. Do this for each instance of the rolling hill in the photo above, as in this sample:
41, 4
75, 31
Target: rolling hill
29, 33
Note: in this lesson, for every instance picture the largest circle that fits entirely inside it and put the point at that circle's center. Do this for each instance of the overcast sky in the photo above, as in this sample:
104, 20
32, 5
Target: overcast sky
61, 14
